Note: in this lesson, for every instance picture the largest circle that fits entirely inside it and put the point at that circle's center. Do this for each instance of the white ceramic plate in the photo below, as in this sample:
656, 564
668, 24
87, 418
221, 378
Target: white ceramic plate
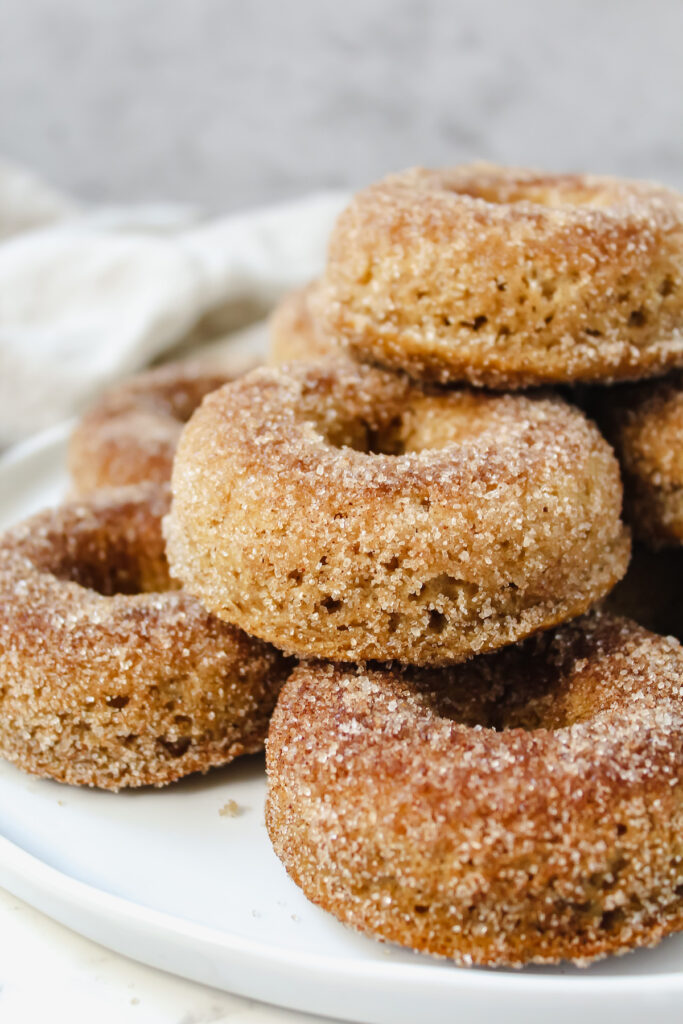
163, 877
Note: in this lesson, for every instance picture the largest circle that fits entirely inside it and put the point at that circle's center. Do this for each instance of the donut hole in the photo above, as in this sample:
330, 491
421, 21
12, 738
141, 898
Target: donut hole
550, 191
497, 704
427, 422
387, 416
383, 438
527, 687
109, 579
110, 554
117, 571
433, 421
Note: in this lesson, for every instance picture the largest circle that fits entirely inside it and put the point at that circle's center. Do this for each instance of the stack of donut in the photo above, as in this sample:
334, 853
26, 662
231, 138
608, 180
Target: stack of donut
409, 527
482, 754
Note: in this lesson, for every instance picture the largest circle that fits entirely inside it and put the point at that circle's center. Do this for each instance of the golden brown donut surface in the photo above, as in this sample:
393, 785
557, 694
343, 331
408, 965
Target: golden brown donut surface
110, 677
295, 333
645, 424
508, 278
340, 511
130, 434
525, 806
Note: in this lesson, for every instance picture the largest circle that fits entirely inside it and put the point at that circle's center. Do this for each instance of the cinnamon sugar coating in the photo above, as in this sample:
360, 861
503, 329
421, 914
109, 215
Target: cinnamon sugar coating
645, 424
507, 278
110, 676
526, 806
340, 511
295, 333
130, 434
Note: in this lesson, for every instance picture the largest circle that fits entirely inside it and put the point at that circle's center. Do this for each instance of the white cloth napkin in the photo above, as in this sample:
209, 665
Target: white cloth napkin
87, 295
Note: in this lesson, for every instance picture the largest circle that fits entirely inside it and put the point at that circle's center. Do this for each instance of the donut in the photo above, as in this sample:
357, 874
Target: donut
509, 278
651, 592
295, 334
110, 675
526, 806
340, 511
130, 434
644, 422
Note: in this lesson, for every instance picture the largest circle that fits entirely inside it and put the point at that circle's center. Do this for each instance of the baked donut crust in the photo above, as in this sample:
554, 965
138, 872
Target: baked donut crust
340, 511
526, 806
509, 278
110, 678
295, 333
645, 424
130, 434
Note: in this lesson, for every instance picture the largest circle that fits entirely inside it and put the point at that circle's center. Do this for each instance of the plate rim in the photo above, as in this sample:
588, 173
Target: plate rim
16, 860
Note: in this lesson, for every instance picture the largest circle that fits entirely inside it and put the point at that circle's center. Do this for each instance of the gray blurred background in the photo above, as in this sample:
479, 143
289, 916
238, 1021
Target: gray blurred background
230, 103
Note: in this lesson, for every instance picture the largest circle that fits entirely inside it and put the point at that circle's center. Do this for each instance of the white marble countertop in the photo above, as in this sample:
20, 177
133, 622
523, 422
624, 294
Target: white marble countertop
48, 973
230, 104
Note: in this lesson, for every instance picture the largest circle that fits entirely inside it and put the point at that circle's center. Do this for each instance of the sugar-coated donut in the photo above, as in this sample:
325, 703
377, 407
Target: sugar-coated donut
644, 422
525, 806
295, 334
507, 278
130, 434
107, 677
340, 511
